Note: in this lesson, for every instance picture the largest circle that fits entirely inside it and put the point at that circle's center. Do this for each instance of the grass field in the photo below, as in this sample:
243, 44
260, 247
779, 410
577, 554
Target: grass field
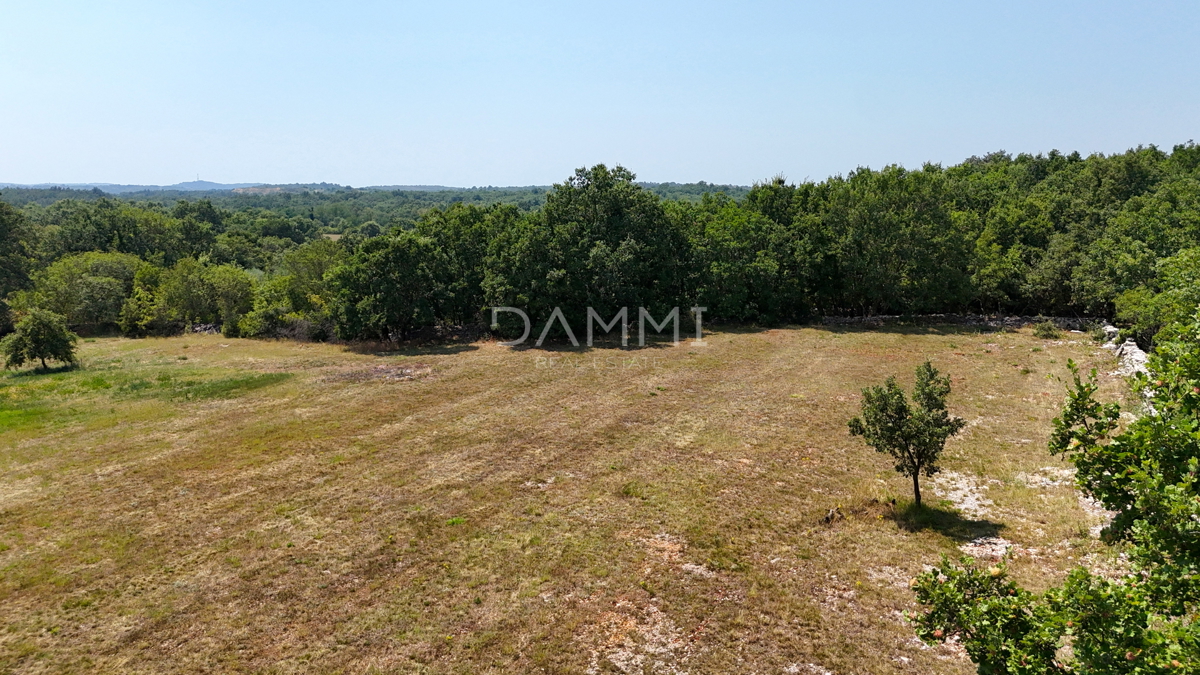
204, 504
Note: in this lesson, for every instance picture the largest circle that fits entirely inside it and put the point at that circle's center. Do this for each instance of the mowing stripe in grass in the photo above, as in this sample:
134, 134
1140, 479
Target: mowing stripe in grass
230, 387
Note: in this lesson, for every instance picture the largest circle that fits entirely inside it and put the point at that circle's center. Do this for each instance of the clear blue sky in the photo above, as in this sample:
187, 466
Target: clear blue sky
473, 93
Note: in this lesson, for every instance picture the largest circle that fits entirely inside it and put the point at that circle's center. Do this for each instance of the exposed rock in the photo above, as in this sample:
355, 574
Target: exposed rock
1132, 358
1048, 476
633, 639
984, 320
698, 570
962, 490
991, 548
1099, 516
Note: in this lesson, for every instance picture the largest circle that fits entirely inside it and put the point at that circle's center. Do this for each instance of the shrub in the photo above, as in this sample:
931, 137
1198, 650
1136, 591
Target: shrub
1046, 330
1096, 332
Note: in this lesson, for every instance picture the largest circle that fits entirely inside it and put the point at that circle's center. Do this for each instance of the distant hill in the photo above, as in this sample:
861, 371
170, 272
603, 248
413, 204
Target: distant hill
670, 190
116, 189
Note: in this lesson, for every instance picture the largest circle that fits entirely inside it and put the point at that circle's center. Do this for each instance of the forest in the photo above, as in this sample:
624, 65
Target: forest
1114, 236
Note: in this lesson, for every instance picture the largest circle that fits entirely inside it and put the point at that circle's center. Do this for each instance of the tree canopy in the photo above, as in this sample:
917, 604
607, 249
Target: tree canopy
1051, 234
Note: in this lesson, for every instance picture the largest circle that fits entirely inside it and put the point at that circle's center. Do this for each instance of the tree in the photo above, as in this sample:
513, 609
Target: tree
14, 258
913, 436
86, 288
233, 292
463, 233
1168, 301
900, 245
186, 295
387, 288
39, 335
746, 264
1145, 620
600, 241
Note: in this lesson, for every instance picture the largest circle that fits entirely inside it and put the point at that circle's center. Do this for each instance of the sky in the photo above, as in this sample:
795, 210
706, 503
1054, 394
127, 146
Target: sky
522, 93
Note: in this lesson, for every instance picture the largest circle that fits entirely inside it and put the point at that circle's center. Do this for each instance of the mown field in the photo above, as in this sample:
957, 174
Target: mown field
204, 504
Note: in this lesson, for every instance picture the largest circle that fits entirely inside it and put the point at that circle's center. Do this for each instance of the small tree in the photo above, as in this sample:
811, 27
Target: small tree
39, 335
913, 435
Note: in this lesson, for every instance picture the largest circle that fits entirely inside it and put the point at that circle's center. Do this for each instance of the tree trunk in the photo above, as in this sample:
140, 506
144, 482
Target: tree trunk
43, 363
917, 487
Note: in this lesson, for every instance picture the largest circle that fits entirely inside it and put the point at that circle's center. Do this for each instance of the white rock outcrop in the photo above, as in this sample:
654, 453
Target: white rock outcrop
1130, 356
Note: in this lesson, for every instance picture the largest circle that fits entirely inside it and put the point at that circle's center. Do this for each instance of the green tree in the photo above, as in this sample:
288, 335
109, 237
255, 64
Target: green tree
914, 435
463, 233
142, 313
14, 250
1165, 303
388, 288
307, 265
900, 245
600, 241
233, 293
747, 265
88, 289
273, 309
186, 295
40, 335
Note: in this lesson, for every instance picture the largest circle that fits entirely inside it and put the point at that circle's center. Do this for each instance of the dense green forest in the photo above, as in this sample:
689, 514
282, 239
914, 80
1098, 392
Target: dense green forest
1054, 234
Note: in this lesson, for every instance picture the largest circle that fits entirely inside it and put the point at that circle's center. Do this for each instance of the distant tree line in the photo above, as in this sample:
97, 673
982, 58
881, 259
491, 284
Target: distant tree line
1057, 234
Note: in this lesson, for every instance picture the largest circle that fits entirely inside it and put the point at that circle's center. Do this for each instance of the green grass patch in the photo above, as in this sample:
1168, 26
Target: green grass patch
16, 418
169, 386
229, 387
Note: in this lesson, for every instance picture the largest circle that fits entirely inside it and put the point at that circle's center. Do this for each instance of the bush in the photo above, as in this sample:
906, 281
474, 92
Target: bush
1096, 332
1046, 330
40, 335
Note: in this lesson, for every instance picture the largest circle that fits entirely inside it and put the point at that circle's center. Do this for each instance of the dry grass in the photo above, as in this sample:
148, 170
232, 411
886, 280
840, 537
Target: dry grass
475, 509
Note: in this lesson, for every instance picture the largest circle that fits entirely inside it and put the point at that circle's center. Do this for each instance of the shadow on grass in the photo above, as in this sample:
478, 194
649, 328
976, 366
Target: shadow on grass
49, 370
400, 349
434, 342
564, 346
907, 329
913, 518
558, 342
